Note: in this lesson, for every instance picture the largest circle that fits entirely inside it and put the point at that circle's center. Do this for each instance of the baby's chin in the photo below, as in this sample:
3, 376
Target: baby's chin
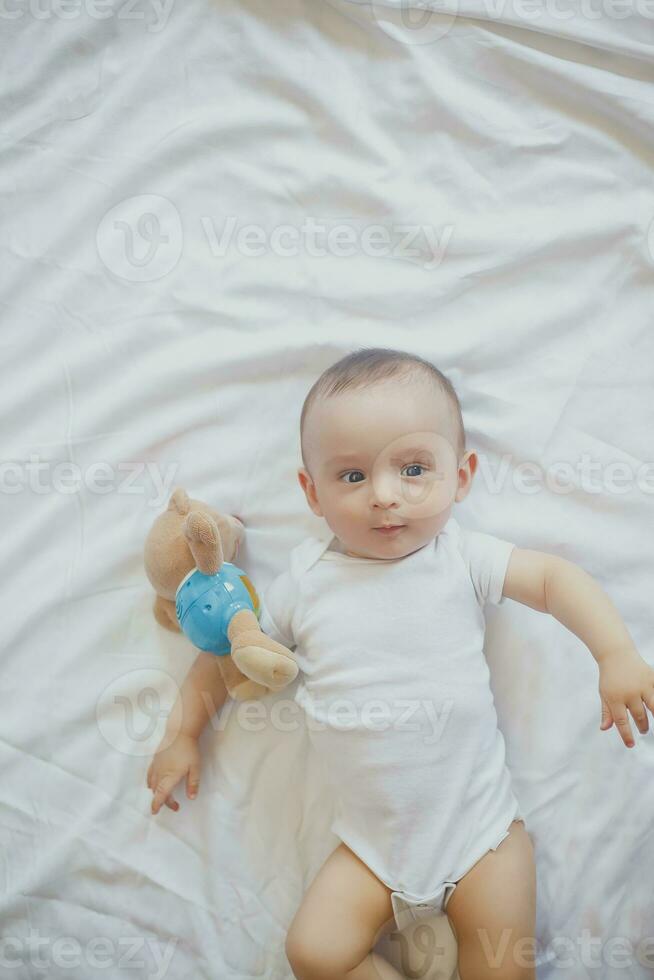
391, 546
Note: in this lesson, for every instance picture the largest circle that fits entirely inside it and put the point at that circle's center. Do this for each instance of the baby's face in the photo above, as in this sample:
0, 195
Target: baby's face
384, 456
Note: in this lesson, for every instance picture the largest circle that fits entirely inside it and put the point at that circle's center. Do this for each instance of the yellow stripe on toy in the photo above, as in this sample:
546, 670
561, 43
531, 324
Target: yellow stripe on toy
253, 594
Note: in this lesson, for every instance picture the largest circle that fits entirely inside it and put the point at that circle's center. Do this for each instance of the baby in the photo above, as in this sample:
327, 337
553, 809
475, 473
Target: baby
385, 613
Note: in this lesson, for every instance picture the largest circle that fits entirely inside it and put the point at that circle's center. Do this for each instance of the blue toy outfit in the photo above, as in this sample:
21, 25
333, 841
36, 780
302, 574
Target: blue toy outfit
206, 604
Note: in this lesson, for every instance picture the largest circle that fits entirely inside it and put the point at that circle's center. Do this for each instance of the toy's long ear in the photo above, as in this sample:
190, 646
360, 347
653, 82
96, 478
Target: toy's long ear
179, 501
203, 536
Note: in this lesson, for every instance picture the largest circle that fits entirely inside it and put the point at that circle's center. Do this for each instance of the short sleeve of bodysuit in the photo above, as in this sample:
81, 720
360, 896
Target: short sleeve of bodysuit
277, 607
486, 558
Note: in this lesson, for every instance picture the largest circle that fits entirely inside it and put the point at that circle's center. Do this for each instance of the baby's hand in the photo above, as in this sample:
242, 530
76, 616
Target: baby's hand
180, 758
626, 682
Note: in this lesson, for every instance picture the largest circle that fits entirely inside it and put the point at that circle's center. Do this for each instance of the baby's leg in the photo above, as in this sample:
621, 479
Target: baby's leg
492, 911
345, 910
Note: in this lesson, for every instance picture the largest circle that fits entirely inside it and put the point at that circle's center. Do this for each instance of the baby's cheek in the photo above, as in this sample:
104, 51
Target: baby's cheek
349, 513
432, 497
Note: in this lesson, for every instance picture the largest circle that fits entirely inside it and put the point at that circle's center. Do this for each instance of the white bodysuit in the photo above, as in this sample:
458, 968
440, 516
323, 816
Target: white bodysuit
399, 708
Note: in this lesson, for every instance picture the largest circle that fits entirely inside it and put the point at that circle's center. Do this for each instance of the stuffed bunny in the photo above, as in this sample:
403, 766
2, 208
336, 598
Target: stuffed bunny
190, 541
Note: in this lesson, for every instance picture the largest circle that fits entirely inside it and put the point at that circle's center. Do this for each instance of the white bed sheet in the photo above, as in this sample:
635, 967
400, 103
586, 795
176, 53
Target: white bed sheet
172, 355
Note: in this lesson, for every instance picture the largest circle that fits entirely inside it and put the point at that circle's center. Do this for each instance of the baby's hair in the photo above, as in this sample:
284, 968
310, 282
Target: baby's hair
368, 365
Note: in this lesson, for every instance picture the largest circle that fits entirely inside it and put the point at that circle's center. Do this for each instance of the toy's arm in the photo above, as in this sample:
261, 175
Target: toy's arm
258, 655
164, 613
557, 586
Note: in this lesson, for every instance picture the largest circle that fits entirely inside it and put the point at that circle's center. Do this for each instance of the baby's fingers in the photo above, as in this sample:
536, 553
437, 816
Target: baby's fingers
163, 791
193, 781
639, 714
607, 717
619, 713
152, 777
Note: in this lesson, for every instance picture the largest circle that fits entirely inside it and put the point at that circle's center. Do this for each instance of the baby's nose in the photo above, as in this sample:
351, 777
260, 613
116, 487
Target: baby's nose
384, 495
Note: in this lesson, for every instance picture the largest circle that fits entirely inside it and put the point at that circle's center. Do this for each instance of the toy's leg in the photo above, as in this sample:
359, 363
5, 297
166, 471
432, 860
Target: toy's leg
241, 688
257, 655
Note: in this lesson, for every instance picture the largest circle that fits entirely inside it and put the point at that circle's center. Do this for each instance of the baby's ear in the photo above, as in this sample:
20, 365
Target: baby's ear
308, 486
303, 478
467, 470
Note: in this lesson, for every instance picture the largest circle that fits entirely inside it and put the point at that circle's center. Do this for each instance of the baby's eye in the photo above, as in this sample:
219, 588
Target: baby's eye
414, 466
352, 473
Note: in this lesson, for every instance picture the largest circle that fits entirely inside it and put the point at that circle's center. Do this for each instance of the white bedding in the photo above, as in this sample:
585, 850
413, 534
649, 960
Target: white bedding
515, 153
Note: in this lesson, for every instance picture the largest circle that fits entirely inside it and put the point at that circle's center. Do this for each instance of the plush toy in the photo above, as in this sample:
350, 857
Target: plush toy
188, 559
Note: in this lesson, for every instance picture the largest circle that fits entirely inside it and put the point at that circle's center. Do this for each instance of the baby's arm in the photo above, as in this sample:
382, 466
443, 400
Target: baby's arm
201, 695
557, 586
